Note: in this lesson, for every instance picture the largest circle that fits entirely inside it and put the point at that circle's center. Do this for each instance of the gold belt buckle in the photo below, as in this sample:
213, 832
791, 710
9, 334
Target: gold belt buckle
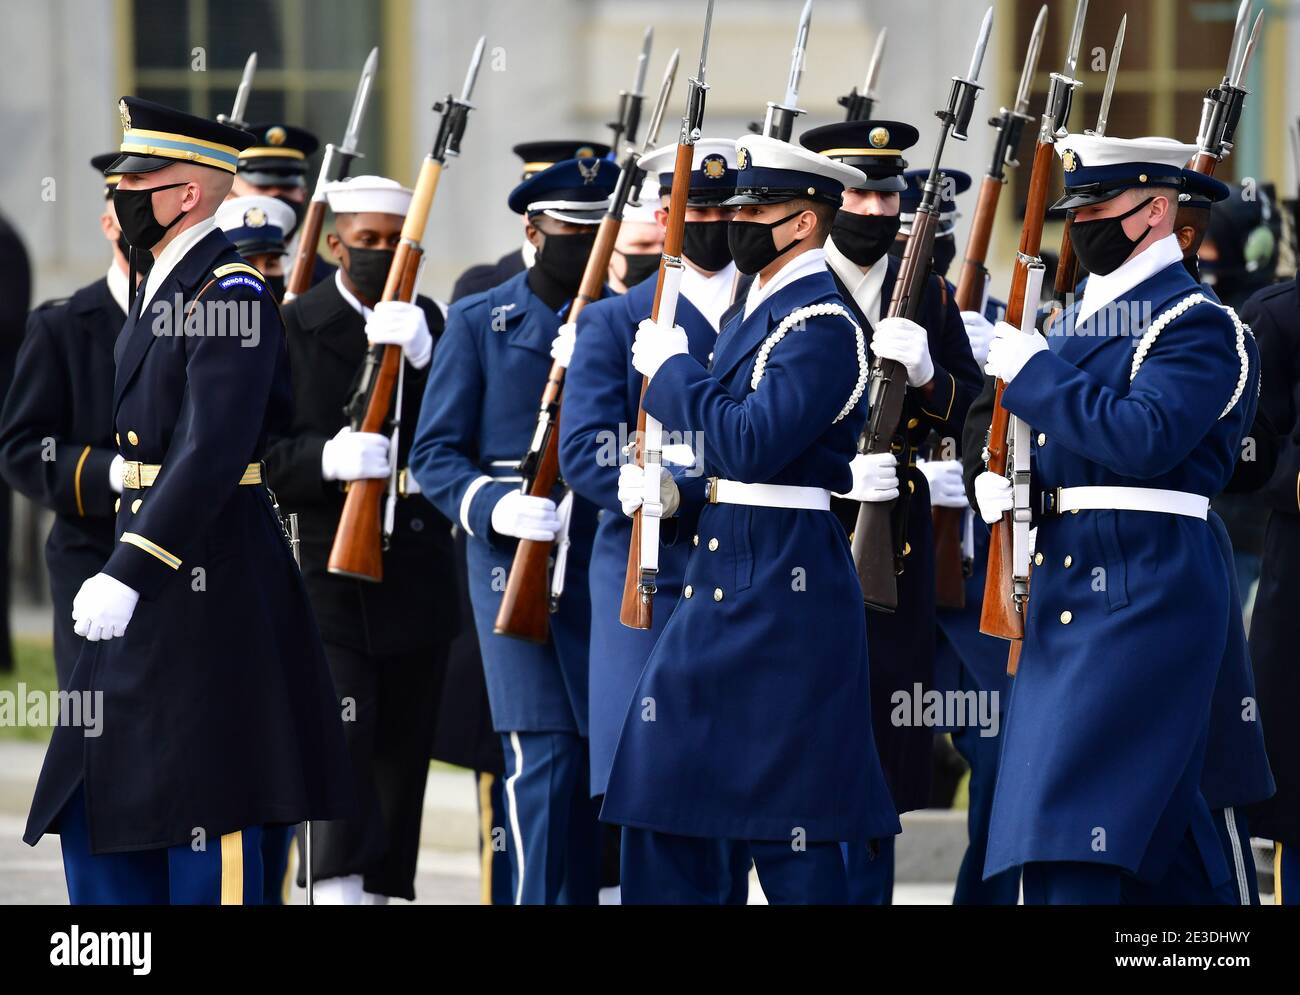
131, 475
713, 490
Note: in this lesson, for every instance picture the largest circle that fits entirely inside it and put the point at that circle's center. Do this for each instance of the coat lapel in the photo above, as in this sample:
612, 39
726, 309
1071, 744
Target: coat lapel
1124, 319
186, 277
739, 339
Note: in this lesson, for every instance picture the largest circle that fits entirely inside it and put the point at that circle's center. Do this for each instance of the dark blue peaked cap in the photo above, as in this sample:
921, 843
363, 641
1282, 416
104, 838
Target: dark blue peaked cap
576, 191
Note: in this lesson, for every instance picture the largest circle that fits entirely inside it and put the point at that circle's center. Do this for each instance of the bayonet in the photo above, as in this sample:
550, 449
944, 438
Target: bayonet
1221, 109
1060, 93
1238, 40
628, 118
353, 132
1076, 38
873, 67
236, 116
859, 105
697, 87
643, 60
1030, 68
779, 122
1244, 66
455, 111
661, 105
1104, 114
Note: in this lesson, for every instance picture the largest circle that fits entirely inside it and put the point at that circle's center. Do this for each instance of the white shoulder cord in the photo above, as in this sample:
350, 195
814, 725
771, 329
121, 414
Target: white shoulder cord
1187, 303
796, 318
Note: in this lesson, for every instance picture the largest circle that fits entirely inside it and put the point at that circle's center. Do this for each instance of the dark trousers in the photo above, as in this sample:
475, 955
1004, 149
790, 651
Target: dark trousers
388, 703
1079, 883
494, 854
552, 835
870, 869
1286, 873
981, 752
222, 871
1234, 834
665, 869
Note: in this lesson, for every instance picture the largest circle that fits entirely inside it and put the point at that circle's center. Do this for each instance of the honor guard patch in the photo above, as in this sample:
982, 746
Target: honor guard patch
714, 166
879, 138
276, 135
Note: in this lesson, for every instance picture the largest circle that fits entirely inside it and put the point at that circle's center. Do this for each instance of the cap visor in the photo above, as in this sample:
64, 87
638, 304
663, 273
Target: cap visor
709, 199
259, 248
885, 184
266, 178
576, 217
746, 199
1070, 201
130, 163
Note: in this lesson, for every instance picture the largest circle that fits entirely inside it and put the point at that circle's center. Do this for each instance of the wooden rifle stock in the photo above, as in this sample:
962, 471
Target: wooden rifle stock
637, 608
304, 256
525, 608
971, 279
876, 553
358, 544
1000, 615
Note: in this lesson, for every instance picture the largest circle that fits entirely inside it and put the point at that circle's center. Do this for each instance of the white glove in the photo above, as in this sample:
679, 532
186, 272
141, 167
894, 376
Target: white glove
904, 341
631, 490
993, 495
355, 456
875, 478
562, 344
980, 332
944, 478
403, 324
654, 345
1010, 350
525, 517
103, 607
115, 473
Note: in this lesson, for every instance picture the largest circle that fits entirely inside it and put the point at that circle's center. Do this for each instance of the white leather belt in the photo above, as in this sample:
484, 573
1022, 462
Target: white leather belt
768, 495
1131, 499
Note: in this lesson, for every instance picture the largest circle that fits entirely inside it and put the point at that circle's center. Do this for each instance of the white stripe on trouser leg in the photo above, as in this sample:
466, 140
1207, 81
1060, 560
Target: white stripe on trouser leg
514, 813
1238, 860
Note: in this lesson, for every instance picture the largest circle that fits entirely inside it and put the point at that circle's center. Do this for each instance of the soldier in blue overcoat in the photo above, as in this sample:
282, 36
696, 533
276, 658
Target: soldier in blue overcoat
218, 714
1137, 402
478, 415
752, 721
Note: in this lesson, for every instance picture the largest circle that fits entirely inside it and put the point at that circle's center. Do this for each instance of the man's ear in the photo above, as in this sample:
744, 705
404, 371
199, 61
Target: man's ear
534, 235
335, 245
1185, 234
108, 226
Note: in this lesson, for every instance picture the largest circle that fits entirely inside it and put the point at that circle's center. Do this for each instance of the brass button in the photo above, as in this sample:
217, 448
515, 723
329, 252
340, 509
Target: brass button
907, 549
717, 594
132, 438
1074, 511
1069, 560
713, 544
1066, 617
135, 505
913, 422
117, 438
695, 540
117, 504
1038, 559
911, 487
1042, 438
689, 591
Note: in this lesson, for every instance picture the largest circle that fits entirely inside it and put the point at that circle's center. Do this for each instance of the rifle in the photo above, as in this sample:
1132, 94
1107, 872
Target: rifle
878, 545
1221, 109
972, 293
779, 121
236, 116
858, 106
529, 600
640, 581
1005, 591
334, 165
629, 101
358, 549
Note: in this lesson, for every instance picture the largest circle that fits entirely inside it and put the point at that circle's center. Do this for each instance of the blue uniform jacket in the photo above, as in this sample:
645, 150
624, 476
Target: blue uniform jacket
752, 719
1108, 723
218, 708
602, 394
477, 417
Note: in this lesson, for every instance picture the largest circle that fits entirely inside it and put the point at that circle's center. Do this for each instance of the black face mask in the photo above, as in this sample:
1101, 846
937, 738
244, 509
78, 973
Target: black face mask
705, 243
753, 245
368, 270
640, 266
1101, 246
276, 283
1193, 267
864, 238
563, 259
135, 215
945, 251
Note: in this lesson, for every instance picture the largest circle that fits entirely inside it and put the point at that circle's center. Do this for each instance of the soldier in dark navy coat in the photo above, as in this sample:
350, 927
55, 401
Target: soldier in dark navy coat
942, 381
479, 413
218, 713
1274, 316
381, 659
56, 436
536, 156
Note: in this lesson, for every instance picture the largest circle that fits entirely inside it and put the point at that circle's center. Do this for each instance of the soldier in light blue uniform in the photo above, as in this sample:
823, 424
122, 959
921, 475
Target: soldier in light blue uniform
752, 719
601, 395
1137, 406
479, 411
